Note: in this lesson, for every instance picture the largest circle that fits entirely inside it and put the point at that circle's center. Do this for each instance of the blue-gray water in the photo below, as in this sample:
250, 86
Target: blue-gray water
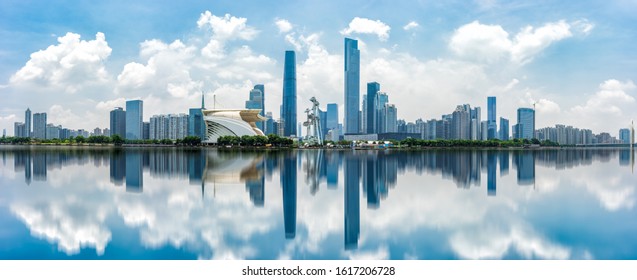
137, 203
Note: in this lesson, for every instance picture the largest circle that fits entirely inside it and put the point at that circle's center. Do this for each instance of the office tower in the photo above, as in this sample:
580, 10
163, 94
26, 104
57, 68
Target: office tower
491, 115
624, 135
332, 116
118, 122
255, 101
526, 123
475, 116
145, 130
352, 84
19, 129
196, 124
460, 123
391, 118
39, 125
27, 123
53, 132
371, 114
134, 117
269, 124
504, 129
288, 109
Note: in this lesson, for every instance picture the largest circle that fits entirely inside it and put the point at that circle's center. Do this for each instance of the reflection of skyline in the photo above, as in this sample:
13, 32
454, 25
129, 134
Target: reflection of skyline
375, 172
352, 213
288, 184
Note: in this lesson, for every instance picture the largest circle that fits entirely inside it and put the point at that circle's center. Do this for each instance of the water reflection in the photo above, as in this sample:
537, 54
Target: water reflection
407, 206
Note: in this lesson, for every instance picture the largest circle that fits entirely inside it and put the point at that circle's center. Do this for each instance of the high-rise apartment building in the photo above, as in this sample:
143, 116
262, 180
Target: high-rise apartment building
18, 129
391, 118
492, 127
526, 123
39, 125
352, 86
118, 122
134, 119
288, 109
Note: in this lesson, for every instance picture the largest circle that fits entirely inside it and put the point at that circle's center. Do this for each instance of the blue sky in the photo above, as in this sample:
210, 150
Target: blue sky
78, 59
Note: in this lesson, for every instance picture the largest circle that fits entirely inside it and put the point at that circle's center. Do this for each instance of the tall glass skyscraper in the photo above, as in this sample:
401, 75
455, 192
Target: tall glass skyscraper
27, 123
504, 129
118, 122
134, 116
352, 86
196, 125
526, 123
372, 107
492, 126
39, 126
288, 109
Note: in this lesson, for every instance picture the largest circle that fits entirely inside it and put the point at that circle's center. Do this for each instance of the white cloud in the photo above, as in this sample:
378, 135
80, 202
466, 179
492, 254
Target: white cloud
227, 27
283, 25
609, 105
491, 43
411, 25
368, 26
70, 65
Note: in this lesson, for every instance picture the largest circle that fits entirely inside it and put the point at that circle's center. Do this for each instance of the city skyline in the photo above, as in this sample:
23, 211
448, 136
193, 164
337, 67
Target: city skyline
443, 61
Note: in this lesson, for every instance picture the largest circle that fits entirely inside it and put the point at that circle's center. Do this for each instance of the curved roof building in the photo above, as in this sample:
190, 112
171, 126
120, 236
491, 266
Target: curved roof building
231, 122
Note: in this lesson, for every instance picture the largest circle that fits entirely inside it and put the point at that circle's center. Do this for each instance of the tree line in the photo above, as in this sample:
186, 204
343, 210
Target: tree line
115, 139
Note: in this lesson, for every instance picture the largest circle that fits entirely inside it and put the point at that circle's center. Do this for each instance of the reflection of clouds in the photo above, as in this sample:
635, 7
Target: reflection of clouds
382, 253
68, 224
489, 242
614, 189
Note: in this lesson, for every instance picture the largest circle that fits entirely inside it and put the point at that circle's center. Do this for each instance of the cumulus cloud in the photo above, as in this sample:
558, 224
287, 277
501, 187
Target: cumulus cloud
367, 26
227, 27
609, 104
70, 65
491, 43
411, 25
283, 25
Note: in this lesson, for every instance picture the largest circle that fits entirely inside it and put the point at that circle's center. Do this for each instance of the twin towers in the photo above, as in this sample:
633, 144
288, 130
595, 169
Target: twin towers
352, 90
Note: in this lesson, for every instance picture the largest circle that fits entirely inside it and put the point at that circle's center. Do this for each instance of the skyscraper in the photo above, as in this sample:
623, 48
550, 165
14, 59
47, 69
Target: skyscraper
372, 107
27, 123
118, 122
504, 129
352, 84
18, 129
262, 89
39, 125
134, 116
255, 101
196, 124
288, 109
492, 126
391, 118
624, 135
526, 123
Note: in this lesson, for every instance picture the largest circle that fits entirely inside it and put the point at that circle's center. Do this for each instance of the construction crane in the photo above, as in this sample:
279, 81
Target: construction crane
314, 134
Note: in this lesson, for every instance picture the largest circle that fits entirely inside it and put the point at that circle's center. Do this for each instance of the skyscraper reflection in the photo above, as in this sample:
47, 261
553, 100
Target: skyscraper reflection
117, 167
39, 166
525, 162
134, 174
492, 161
504, 163
352, 201
288, 183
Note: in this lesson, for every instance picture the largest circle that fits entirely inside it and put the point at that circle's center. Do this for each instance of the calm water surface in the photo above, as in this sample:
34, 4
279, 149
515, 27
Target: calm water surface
170, 203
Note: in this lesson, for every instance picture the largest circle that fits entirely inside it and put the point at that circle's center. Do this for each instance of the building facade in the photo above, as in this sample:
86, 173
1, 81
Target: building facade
526, 124
118, 122
288, 109
352, 87
39, 125
134, 119
491, 115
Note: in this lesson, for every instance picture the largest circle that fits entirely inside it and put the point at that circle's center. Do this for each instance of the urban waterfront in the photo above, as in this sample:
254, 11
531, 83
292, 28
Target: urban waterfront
203, 203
